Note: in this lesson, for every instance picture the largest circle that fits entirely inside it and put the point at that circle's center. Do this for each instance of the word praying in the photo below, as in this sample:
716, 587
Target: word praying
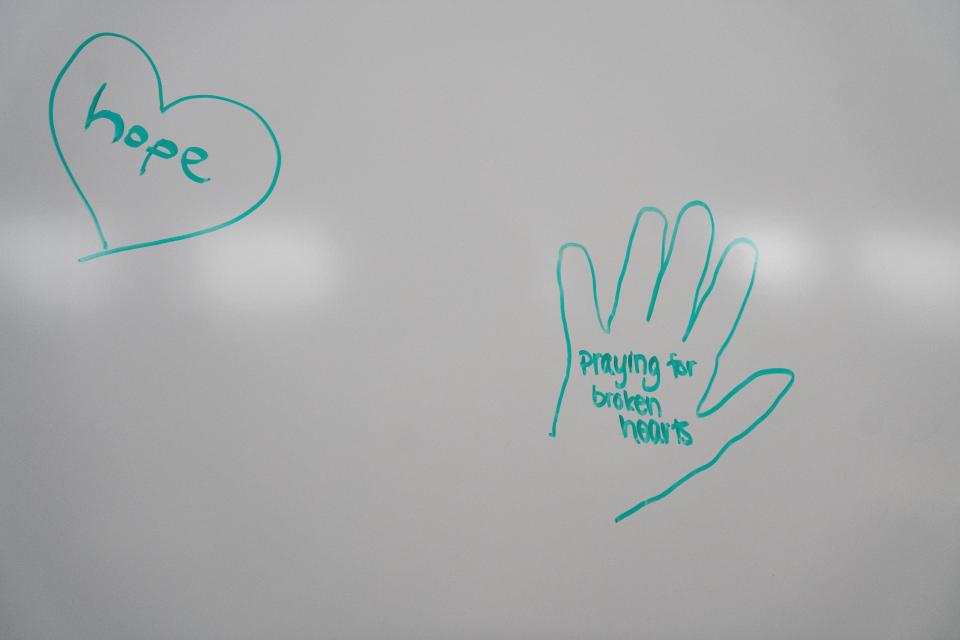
137, 136
622, 366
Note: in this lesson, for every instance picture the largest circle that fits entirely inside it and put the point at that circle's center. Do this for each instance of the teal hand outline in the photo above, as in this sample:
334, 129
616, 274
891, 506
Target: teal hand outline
698, 302
107, 250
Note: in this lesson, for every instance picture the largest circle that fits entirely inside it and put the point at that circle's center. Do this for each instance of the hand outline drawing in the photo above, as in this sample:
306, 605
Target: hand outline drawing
719, 334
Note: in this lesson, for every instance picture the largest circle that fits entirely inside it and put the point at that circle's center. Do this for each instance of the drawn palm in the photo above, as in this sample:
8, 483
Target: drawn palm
666, 301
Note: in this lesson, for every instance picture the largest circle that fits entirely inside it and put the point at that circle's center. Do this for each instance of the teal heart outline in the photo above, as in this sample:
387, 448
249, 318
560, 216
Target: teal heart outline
107, 250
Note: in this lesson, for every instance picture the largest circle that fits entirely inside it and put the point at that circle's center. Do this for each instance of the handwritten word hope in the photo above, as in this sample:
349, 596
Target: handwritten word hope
137, 136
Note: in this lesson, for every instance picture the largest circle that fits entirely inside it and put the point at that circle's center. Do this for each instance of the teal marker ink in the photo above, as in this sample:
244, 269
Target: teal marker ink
161, 149
650, 430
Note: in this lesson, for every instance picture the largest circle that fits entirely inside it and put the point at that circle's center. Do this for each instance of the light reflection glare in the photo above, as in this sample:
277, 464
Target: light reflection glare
786, 258
39, 261
914, 268
279, 269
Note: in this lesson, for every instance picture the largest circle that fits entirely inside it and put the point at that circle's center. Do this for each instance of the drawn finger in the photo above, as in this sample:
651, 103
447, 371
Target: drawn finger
641, 267
579, 307
684, 271
719, 311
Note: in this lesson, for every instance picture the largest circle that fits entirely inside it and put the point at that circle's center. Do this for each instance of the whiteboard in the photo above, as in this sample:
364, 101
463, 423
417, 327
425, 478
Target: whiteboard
376, 320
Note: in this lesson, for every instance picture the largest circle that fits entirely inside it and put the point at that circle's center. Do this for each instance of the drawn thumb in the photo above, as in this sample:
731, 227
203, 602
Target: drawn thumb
748, 403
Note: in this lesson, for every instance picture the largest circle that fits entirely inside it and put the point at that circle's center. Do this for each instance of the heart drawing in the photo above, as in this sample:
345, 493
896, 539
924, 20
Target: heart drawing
137, 137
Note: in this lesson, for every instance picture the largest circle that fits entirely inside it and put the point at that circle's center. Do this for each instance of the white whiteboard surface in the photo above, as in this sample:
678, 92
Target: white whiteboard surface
331, 417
